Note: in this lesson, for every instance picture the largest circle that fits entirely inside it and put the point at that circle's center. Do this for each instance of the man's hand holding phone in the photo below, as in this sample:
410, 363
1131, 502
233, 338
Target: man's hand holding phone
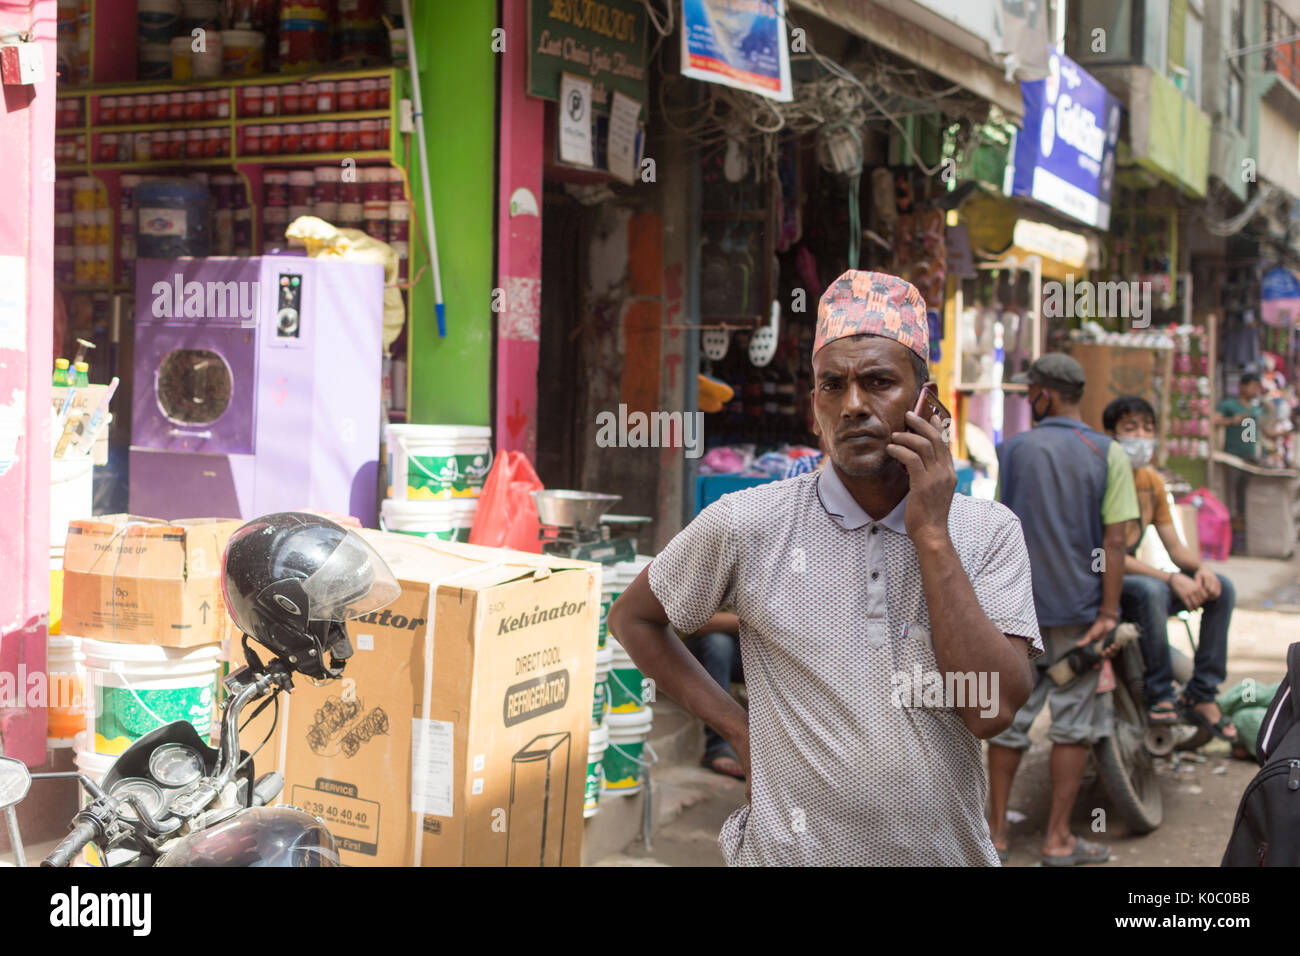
932, 476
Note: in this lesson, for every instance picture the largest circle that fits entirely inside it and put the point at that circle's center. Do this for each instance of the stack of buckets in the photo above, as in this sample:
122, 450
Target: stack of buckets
620, 719
435, 476
105, 696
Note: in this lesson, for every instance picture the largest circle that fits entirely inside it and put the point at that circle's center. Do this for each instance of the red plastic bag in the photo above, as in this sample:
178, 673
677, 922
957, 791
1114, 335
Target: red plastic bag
507, 514
1213, 524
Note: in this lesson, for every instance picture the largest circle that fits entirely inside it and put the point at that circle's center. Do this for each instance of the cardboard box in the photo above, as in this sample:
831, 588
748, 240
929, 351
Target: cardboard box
490, 654
145, 581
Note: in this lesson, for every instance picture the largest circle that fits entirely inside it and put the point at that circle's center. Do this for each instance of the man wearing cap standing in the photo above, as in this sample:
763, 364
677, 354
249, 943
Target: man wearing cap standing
1072, 488
853, 585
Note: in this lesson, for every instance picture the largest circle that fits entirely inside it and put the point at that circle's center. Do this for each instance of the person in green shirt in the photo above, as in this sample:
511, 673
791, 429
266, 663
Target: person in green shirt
1244, 422
1241, 416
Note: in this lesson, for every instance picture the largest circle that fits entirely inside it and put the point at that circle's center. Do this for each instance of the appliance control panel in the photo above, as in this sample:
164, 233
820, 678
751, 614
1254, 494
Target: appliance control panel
288, 306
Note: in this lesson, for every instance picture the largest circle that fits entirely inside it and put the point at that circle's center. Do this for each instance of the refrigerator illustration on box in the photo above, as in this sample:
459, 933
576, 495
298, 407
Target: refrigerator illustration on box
257, 387
539, 791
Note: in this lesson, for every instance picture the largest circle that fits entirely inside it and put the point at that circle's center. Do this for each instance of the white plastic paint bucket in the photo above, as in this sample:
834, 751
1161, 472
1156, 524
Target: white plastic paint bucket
135, 688
600, 699
628, 756
444, 520
71, 495
597, 742
433, 462
626, 691
65, 716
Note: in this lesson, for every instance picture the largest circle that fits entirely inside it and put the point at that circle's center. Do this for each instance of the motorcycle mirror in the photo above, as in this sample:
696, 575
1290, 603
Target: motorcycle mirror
15, 780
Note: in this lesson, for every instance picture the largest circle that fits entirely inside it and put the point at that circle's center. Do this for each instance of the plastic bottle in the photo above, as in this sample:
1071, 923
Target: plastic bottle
83, 375
61, 373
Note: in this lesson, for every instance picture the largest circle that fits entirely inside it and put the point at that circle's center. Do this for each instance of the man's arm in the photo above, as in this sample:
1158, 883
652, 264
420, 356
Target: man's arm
642, 627
1119, 506
965, 640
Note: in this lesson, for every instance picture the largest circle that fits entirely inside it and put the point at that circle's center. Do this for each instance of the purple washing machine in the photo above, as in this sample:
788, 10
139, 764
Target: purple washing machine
257, 387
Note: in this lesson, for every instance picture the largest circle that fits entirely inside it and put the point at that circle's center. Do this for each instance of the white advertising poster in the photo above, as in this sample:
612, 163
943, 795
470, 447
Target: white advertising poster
623, 116
575, 121
738, 44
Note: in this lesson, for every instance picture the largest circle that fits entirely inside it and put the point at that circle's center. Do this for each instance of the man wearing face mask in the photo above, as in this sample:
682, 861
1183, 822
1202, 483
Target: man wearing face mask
1072, 489
1151, 595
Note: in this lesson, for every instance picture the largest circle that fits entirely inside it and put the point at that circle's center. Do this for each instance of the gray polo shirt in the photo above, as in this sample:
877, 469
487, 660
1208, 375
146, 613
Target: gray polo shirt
831, 607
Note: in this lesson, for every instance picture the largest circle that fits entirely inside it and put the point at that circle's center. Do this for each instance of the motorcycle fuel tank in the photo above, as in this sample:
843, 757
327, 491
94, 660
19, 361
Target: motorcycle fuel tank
260, 836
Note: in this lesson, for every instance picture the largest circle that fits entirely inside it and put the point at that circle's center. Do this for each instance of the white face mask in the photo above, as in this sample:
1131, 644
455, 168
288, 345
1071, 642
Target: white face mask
1139, 450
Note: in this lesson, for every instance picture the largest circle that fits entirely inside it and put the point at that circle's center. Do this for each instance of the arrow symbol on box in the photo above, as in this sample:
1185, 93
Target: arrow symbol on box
204, 608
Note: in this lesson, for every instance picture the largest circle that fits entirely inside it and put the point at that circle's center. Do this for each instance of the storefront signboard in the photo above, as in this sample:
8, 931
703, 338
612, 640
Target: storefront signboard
1279, 295
602, 40
1065, 154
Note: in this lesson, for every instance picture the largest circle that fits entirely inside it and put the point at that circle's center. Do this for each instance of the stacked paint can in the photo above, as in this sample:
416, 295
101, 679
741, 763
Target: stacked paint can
598, 738
158, 23
83, 251
66, 715
304, 34
435, 476
362, 38
629, 716
136, 688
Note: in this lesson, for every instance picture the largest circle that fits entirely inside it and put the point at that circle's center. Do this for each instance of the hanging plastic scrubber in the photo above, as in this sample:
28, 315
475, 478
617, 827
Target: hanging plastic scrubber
715, 342
762, 343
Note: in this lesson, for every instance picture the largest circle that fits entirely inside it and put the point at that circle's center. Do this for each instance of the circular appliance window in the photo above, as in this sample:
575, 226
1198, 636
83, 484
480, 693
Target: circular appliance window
194, 386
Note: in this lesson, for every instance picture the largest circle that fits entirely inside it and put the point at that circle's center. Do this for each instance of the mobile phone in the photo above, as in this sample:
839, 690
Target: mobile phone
928, 404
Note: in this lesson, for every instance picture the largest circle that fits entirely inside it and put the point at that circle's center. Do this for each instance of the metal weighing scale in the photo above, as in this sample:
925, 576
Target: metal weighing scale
574, 524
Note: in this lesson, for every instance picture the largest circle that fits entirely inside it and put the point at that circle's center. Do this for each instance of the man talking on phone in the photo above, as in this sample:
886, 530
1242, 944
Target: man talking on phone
886, 623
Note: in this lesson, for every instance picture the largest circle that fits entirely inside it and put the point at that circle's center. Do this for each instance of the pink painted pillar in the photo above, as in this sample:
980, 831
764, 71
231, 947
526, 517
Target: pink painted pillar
519, 244
26, 363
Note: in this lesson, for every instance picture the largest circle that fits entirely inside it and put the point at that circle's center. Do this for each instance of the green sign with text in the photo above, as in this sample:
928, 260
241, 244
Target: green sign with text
603, 40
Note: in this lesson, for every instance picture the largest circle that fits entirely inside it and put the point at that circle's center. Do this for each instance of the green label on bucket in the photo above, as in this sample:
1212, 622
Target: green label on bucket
621, 767
599, 703
446, 476
625, 690
125, 715
592, 795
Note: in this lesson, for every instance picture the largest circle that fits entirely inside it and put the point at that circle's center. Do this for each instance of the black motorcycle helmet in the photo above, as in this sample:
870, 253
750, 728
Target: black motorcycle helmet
291, 580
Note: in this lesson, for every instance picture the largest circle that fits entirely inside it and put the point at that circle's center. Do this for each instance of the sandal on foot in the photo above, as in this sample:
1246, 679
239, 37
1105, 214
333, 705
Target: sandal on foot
1217, 729
1084, 852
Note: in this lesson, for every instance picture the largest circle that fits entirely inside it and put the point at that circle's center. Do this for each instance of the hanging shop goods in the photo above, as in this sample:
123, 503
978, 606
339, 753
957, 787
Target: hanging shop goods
746, 49
225, 344
497, 755
1065, 154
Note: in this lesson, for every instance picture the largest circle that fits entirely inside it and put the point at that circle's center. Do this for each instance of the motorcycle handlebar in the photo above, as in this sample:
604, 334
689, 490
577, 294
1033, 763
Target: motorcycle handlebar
82, 834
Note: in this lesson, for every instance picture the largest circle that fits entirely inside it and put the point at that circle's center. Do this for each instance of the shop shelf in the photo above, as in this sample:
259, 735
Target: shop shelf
222, 82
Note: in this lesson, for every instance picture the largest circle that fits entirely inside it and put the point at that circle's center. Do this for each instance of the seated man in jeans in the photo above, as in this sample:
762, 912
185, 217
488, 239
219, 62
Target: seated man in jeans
1150, 595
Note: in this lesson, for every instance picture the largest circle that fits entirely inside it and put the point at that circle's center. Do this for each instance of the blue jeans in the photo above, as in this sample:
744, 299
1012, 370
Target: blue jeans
1148, 603
719, 654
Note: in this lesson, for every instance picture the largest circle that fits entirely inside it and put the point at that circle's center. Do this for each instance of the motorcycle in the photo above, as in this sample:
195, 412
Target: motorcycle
172, 800
290, 582
1126, 760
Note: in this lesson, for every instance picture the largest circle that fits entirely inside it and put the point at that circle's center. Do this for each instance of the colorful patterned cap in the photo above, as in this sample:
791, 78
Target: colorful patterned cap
873, 303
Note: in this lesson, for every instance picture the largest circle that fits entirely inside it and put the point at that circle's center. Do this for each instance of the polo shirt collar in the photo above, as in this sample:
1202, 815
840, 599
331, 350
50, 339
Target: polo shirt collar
844, 508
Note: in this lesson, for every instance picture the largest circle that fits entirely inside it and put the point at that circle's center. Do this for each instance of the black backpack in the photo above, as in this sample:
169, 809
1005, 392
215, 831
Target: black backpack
1267, 831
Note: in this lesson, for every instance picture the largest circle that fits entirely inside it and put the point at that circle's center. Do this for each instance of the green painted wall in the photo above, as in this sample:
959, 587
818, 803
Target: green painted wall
451, 378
